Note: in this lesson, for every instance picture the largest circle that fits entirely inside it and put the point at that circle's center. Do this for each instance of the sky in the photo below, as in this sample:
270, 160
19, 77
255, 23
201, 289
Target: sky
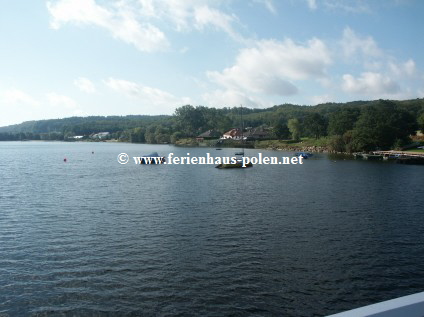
63, 58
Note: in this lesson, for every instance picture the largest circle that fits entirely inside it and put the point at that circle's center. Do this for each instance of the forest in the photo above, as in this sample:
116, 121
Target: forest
346, 127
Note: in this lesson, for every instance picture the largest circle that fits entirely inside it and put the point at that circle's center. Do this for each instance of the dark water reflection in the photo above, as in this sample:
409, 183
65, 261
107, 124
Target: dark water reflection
93, 237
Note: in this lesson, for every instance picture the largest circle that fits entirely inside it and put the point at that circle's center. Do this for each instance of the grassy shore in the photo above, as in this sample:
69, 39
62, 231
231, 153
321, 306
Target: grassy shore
305, 144
321, 144
415, 150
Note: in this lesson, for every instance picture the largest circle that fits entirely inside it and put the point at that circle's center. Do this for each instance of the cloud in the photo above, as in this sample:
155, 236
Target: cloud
148, 96
365, 50
85, 85
351, 6
148, 8
17, 97
312, 4
232, 98
62, 106
18, 106
205, 15
192, 14
61, 101
407, 68
178, 12
319, 99
270, 67
353, 44
381, 75
120, 20
370, 84
135, 22
269, 5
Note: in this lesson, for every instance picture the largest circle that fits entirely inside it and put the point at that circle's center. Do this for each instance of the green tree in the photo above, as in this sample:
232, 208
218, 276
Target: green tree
162, 134
315, 125
420, 122
175, 137
294, 128
342, 121
336, 143
190, 119
150, 136
137, 135
280, 130
380, 126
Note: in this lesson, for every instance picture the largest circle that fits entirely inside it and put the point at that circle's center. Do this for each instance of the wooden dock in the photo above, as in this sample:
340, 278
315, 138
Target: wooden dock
399, 154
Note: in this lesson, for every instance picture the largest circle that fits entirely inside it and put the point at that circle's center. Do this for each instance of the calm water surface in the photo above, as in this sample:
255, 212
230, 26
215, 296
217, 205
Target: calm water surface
91, 237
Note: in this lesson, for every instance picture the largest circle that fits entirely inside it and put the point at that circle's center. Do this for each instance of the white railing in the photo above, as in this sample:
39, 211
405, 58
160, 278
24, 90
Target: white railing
407, 306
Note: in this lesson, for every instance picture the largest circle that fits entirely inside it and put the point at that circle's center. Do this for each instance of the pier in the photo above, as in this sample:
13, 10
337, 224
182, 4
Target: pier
401, 157
398, 154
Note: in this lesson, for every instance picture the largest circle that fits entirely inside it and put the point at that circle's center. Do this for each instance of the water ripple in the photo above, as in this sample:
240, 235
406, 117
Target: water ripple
95, 238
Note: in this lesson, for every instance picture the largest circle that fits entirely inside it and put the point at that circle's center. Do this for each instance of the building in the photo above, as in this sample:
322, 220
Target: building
208, 135
233, 134
100, 135
256, 134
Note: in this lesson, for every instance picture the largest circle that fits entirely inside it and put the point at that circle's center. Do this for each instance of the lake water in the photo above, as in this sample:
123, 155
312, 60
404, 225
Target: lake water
92, 237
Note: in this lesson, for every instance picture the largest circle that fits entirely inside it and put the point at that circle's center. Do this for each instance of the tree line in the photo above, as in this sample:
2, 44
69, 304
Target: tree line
347, 127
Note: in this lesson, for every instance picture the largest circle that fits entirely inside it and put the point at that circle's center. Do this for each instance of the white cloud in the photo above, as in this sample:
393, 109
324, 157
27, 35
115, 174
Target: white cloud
18, 106
353, 44
270, 66
148, 96
181, 13
15, 97
187, 15
312, 4
407, 69
61, 106
268, 4
232, 98
134, 22
205, 15
84, 84
319, 99
365, 50
382, 76
120, 20
351, 6
370, 84
178, 12
148, 8
61, 101
79, 12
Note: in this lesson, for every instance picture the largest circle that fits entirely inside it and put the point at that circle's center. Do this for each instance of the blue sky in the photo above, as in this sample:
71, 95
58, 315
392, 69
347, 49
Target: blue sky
62, 58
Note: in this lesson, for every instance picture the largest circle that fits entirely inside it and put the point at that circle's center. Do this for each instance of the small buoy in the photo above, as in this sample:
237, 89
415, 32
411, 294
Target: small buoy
65, 159
92, 152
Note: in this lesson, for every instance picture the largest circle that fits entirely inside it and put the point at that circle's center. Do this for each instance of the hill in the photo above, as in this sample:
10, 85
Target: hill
351, 126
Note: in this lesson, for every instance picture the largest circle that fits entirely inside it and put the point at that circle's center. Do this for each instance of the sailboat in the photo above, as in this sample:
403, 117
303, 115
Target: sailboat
239, 162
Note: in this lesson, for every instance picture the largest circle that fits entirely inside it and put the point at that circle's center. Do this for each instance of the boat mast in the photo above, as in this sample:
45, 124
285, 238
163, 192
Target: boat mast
242, 129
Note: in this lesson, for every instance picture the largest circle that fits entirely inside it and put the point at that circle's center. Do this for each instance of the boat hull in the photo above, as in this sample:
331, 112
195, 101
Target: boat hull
235, 165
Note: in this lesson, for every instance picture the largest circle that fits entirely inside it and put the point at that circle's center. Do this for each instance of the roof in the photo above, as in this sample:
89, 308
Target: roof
233, 133
209, 134
256, 132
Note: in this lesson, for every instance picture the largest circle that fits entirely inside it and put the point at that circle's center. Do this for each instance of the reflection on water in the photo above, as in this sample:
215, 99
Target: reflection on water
93, 237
